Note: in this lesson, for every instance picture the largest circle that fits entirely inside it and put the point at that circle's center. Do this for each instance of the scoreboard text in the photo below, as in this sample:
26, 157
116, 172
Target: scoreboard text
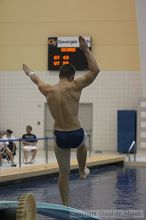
65, 50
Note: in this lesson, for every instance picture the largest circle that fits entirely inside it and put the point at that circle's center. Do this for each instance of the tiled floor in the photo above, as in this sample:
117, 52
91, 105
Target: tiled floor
41, 157
38, 169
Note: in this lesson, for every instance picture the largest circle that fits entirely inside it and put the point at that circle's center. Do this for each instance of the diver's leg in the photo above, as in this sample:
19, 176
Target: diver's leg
63, 159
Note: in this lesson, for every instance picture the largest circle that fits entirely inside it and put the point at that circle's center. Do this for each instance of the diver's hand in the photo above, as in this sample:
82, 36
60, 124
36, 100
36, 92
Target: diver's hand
83, 44
27, 70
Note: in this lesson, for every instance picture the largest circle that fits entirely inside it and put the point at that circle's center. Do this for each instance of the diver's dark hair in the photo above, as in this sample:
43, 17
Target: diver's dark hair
66, 71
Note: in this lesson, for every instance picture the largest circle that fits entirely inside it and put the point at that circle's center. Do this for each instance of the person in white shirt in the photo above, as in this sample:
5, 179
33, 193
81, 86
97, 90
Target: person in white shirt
11, 141
5, 150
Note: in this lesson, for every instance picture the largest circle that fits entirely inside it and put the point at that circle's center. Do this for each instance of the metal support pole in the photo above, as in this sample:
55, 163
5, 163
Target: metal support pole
90, 147
135, 152
19, 152
129, 158
46, 149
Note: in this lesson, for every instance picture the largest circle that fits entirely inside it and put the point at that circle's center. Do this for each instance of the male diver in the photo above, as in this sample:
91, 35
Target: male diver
63, 102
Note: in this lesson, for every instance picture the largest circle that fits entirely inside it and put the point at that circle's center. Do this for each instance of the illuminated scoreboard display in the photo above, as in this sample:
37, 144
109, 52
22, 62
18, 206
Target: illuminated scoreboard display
65, 50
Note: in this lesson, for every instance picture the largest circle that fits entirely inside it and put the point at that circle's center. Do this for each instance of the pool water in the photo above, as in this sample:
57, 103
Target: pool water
107, 188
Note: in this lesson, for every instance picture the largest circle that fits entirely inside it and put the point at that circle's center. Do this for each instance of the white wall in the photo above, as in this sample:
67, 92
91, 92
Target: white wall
141, 19
23, 38
22, 103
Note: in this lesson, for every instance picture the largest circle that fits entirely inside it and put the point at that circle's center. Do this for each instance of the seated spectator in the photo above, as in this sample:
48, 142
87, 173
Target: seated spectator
11, 144
5, 150
29, 145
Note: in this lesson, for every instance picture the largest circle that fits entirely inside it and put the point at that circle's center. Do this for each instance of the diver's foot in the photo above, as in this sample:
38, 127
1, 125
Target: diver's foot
85, 174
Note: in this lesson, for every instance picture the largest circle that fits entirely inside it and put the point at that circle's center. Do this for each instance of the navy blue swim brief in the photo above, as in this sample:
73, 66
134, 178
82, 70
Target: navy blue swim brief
70, 139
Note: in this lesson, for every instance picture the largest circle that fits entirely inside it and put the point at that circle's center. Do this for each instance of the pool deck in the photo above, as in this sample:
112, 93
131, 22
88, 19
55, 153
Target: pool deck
135, 164
19, 173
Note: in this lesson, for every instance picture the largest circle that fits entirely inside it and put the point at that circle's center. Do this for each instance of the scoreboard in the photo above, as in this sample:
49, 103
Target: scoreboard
65, 50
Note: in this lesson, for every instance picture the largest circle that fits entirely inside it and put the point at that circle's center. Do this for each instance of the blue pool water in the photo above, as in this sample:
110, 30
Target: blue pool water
107, 188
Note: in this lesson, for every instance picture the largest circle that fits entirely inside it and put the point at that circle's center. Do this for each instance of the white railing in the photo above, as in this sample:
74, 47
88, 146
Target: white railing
132, 147
46, 139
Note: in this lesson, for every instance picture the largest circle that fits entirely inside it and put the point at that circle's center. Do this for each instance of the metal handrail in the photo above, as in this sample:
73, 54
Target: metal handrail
132, 146
20, 140
27, 139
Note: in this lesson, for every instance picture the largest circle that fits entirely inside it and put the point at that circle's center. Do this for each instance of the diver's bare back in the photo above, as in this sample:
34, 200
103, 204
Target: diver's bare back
63, 102
63, 98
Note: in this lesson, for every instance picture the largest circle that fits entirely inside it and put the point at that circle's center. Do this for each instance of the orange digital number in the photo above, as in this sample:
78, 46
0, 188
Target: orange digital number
65, 62
65, 57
